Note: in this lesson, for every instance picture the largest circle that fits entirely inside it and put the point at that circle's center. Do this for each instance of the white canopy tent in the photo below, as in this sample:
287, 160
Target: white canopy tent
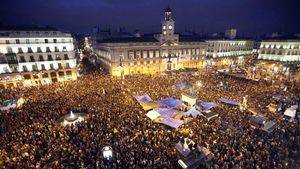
291, 112
189, 99
153, 114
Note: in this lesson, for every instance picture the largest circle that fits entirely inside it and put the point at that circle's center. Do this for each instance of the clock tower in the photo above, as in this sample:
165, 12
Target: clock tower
168, 23
167, 35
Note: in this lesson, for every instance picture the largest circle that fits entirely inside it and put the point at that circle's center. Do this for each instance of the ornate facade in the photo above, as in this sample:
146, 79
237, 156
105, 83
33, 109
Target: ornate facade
151, 54
29, 58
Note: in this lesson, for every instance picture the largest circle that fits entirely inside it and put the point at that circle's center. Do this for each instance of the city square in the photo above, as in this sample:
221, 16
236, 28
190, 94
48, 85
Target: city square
163, 100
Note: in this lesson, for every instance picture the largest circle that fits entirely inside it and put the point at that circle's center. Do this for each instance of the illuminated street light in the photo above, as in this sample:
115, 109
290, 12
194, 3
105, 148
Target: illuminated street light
107, 153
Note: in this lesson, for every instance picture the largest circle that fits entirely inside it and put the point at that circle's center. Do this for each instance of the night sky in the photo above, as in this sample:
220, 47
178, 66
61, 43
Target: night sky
250, 17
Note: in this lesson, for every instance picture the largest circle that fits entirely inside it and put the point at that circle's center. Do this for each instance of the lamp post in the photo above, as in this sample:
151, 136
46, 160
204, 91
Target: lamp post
107, 153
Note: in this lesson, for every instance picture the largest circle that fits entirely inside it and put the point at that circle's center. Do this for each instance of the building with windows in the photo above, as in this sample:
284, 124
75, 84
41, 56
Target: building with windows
151, 54
226, 48
280, 56
287, 50
229, 52
36, 57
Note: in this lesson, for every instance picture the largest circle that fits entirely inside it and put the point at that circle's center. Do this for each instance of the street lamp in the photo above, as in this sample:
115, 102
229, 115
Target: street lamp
107, 153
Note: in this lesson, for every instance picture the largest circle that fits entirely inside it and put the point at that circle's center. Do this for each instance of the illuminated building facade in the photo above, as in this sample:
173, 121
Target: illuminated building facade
280, 50
38, 57
227, 48
151, 54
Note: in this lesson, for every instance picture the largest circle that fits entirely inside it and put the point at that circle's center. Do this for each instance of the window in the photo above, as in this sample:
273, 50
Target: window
7, 41
35, 76
157, 53
50, 58
29, 50
43, 67
32, 59
130, 55
68, 65
39, 50
64, 48
150, 54
20, 50
34, 67
36, 40
46, 41
51, 66
53, 74
61, 74
60, 66
22, 59
45, 75
27, 77
57, 57
25, 68
69, 73
9, 50
137, 54
55, 40
66, 57
27, 41
41, 58
17, 41
56, 49
48, 49
145, 54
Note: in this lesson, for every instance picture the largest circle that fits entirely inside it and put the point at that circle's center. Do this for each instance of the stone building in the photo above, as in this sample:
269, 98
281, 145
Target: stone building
153, 53
35, 57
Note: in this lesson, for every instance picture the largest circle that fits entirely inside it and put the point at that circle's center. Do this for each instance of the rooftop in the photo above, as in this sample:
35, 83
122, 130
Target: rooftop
190, 39
129, 39
295, 37
31, 31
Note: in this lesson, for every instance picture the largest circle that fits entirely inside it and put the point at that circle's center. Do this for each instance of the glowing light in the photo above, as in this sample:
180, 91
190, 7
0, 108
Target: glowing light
107, 152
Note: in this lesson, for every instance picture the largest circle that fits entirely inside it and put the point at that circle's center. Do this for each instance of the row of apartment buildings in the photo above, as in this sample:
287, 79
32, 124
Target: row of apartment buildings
37, 57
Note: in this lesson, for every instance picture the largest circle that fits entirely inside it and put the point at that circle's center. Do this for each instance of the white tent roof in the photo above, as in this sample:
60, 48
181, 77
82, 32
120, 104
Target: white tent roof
291, 112
153, 114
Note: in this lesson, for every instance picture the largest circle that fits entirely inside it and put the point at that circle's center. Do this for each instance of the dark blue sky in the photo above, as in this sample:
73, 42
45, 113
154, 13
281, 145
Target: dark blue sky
250, 17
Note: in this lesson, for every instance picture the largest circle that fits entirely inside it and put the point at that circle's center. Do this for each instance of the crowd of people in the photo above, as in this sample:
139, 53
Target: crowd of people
32, 138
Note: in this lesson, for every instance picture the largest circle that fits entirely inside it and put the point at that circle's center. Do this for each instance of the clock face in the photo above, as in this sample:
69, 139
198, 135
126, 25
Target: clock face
170, 27
164, 27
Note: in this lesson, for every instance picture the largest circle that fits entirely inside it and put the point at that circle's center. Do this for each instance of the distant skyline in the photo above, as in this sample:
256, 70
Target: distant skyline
249, 17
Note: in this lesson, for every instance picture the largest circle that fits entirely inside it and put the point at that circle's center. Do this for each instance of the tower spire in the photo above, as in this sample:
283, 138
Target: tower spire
168, 13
